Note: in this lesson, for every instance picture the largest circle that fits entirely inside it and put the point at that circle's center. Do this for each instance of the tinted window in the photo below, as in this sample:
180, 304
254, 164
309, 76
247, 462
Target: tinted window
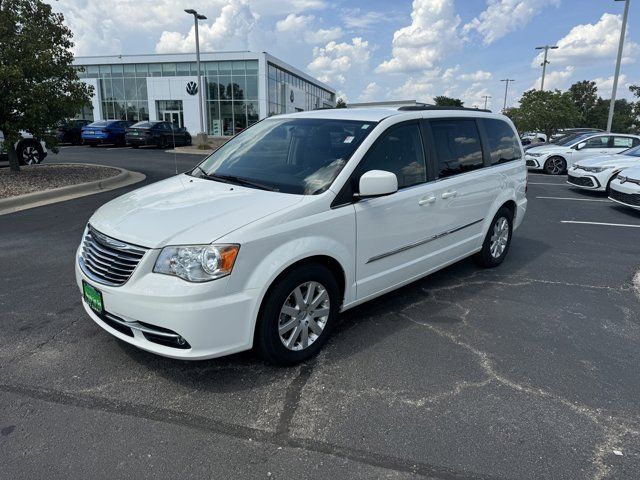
597, 142
292, 155
503, 143
622, 142
144, 124
398, 150
457, 145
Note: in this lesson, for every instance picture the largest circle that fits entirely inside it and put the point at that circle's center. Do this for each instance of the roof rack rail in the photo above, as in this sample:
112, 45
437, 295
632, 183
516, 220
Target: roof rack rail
438, 107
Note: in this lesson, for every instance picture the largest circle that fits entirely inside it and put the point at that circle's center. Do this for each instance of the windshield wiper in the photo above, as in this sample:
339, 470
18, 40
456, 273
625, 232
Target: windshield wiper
242, 181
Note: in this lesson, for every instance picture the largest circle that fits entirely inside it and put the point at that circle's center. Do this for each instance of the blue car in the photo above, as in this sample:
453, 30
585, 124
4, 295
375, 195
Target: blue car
105, 132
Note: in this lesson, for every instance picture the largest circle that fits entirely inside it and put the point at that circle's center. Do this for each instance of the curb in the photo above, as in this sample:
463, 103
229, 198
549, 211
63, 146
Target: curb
61, 194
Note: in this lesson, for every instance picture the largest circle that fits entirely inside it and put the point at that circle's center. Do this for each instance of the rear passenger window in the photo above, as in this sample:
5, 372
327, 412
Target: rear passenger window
622, 142
503, 143
398, 150
457, 144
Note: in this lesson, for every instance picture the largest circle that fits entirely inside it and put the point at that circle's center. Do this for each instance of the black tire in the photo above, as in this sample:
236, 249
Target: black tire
93, 145
188, 141
555, 166
30, 152
485, 257
267, 342
135, 146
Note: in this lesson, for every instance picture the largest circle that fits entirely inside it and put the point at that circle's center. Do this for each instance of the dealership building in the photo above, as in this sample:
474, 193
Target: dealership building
239, 88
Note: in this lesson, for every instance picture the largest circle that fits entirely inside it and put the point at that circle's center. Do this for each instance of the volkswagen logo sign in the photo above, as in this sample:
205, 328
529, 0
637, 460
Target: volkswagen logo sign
292, 96
192, 88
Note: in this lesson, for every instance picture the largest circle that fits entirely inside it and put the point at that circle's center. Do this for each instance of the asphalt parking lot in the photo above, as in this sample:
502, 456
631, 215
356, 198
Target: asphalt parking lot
526, 371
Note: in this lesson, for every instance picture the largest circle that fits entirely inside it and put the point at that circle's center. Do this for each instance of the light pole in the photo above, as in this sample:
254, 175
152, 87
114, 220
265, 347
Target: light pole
546, 49
486, 97
612, 105
196, 17
506, 89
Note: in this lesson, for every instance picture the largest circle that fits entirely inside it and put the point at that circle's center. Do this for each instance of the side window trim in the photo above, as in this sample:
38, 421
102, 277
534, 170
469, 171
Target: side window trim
484, 142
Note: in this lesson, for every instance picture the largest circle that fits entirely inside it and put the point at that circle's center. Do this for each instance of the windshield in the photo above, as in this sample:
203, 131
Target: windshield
632, 152
291, 155
144, 124
573, 138
98, 124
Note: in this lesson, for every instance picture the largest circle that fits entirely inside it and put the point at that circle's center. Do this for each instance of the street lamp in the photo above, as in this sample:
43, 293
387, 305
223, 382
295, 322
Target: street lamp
546, 49
612, 105
506, 89
196, 17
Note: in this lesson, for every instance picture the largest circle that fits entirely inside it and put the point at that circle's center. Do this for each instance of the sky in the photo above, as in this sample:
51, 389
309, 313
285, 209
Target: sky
375, 50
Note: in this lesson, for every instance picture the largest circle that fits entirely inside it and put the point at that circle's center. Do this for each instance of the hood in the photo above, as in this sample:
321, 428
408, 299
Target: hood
185, 210
547, 147
613, 159
632, 173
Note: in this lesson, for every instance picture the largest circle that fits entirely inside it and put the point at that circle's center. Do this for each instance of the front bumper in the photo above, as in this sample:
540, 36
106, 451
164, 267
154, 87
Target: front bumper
212, 321
583, 179
627, 194
534, 163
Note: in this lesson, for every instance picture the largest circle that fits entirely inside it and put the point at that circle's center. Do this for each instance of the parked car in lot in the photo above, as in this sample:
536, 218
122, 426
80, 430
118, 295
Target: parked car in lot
625, 188
556, 158
564, 132
105, 132
71, 131
29, 150
597, 173
160, 134
296, 219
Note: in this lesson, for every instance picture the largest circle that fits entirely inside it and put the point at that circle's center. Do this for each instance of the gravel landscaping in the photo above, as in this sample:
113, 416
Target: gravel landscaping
37, 178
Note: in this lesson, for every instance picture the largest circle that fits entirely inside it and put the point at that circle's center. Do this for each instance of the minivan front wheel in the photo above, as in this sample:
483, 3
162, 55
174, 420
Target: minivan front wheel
298, 314
498, 239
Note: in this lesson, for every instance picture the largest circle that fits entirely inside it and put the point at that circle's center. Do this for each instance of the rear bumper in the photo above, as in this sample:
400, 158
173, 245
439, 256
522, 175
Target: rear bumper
140, 141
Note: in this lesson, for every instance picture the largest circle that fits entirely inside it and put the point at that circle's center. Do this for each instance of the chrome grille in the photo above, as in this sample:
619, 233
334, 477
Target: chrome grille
107, 260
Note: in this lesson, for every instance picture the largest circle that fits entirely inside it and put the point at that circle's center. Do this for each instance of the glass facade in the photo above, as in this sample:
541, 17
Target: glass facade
278, 79
230, 91
232, 96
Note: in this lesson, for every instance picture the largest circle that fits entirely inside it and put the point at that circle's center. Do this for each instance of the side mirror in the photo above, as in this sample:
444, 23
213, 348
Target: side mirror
376, 183
581, 145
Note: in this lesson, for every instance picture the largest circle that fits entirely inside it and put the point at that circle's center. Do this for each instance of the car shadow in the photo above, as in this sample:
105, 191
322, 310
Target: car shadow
246, 370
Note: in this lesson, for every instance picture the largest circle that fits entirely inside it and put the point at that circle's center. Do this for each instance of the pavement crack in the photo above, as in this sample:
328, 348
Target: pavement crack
292, 398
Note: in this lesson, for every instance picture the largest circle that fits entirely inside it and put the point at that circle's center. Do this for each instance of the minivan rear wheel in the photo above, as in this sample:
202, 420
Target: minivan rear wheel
498, 239
297, 315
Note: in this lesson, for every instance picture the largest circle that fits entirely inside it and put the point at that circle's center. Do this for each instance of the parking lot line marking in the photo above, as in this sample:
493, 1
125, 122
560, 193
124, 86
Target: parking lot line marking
601, 223
546, 183
578, 199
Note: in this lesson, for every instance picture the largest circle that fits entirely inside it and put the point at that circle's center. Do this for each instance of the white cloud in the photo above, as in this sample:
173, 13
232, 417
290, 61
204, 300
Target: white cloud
414, 88
502, 17
331, 62
555, 79
605, 86
299, 27
358, 20
433, 32
229, 31
370, 93
477, 76
588, 43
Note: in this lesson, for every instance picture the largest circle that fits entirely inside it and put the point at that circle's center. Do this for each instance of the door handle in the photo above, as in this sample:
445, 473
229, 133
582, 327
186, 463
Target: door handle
427, 200
449, 194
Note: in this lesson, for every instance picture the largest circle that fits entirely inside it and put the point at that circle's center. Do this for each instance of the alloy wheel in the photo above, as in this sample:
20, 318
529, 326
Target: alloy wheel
30, 155
304, 316
499, 238
555, 166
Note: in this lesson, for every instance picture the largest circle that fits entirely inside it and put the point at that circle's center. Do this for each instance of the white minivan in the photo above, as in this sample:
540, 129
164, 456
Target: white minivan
296, 219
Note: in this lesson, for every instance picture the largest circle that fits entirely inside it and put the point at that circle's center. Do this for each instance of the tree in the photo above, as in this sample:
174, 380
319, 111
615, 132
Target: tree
624, 117
544, 111
39, 86
635, 89
341, 103
443, 101
584, 95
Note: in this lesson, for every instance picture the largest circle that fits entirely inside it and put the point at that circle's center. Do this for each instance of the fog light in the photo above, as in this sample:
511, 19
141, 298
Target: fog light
181, 341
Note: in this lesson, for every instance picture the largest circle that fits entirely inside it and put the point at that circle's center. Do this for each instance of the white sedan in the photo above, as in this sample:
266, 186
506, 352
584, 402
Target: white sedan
598, 172
625, 188
556, 158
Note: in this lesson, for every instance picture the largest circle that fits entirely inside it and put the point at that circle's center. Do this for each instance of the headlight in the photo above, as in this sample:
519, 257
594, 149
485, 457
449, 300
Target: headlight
597, 169
535, 154
197, 263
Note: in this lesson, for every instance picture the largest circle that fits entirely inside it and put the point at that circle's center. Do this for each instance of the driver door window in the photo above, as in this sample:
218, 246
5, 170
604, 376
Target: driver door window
399, 150
597, 142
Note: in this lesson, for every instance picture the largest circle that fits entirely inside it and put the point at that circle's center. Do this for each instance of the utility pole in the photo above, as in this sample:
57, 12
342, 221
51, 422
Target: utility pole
546, 49
612, 105
506, 89
486, 97
196, 17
